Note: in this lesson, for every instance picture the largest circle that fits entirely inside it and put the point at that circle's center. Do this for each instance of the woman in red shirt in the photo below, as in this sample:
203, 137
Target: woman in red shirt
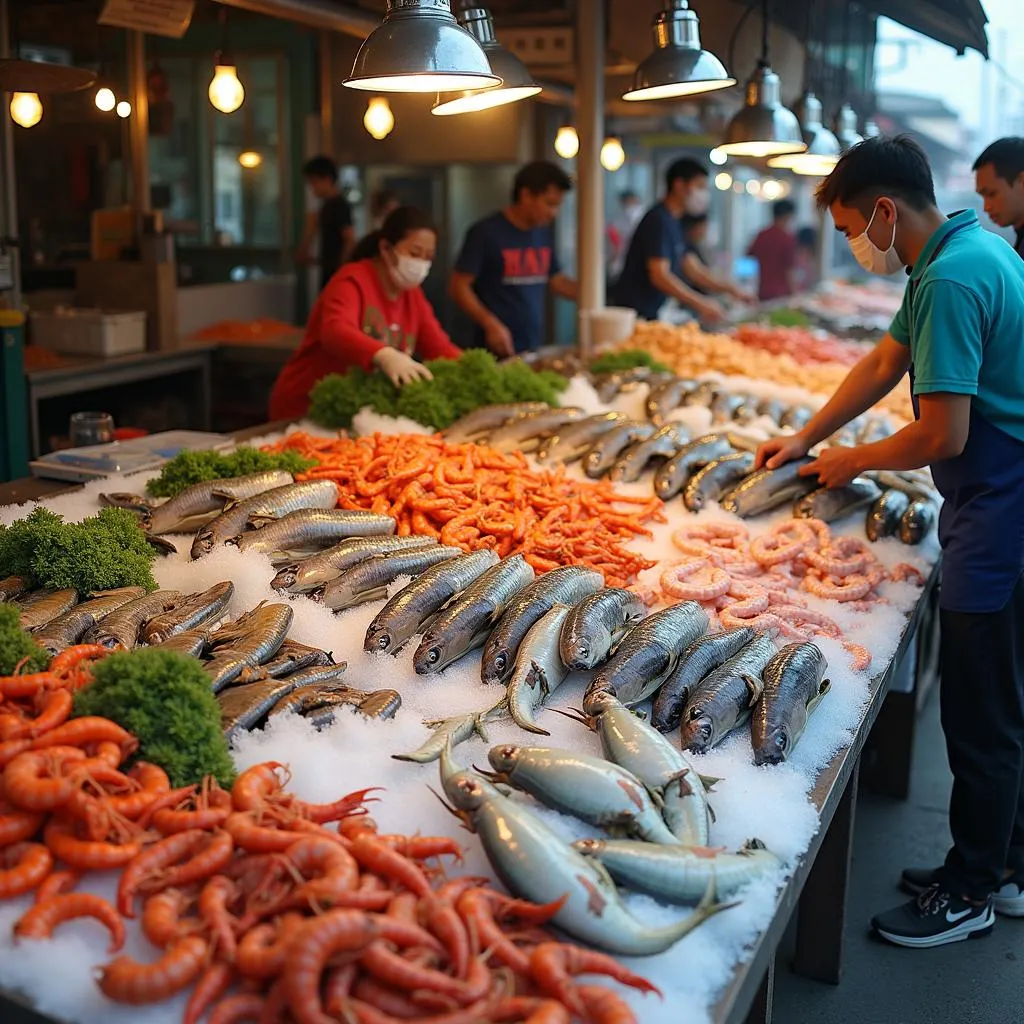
372, 314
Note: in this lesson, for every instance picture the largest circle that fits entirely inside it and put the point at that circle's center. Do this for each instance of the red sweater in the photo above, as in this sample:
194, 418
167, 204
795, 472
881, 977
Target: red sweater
352, 320
775, 251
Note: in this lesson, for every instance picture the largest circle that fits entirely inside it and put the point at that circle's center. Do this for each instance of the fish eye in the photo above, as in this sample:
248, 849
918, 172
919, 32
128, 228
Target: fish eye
499, 662
694, 714
384, 641
782, 741
434, 655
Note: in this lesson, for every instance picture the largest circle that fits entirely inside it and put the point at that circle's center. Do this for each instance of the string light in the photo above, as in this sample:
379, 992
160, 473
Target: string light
26, 109
124, 109
613, 156
567, 142
378, 120
723, 181
105, 99
250, 159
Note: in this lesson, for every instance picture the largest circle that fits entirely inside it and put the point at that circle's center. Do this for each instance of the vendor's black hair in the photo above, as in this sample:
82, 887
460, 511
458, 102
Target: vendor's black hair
685, 170
398, 223
320, 167
538, 176
783, 208
1006, 157
879, 167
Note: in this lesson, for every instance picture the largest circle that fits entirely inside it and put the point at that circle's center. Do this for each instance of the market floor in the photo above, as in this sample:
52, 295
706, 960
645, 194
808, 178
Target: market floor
974, 982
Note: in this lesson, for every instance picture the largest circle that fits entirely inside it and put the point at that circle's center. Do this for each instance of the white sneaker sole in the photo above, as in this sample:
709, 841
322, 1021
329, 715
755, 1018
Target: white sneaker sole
972, 928
1009, 906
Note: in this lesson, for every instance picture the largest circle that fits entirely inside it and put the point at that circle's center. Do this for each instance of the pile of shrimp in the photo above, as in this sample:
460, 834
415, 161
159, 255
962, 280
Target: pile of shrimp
254, 905
471, 496
758, 582
802, 345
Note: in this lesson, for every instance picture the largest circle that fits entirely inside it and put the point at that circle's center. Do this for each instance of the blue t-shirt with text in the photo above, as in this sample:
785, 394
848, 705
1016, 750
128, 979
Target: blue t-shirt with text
659, 236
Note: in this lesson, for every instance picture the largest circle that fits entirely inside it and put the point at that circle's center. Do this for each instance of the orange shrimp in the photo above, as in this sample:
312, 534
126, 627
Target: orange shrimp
387, 1000
422, 847
443, 920
10, 749
553, 965
356, 825
248, 835
86, 854
81, 732
27, 685
242, 1006
57, 883
396, 972
695, 580
212, 858
23, 866
72, 657
17, 826
336, 989
153, 781
169, 821
39, 921
53, 709
256, 785
127, 981
162, 917
146, 867
262, 950
604, 1006
381, 859
36, 780
216, 896
213, 983
530, 1010
475, 909
171, 799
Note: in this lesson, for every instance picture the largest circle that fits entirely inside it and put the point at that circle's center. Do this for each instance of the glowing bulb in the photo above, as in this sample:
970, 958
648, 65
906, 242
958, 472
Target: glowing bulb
105, 99
250, 159
723, 181
124, 109
717, 157
378, 119
771, 190
753, 187
613, 156
26, 109
567, 142
226, 92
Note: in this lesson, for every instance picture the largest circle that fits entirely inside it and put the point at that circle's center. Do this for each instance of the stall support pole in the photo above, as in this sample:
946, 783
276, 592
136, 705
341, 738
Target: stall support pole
138, 123
591, 19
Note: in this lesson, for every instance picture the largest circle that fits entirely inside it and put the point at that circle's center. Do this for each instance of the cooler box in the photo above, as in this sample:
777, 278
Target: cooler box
90, 332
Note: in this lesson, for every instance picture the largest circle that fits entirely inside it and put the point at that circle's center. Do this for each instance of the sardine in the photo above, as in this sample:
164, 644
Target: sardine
649, 652
312, 528
211, 496
703, 395
538, 669
525, 433
716, 479
304, 698
414, 607
672, 477
918, 521
831, 503
796, 417
487, 418
725, 406
611, 445
766, 489
794, 684
277, 503
291, 657
121, 628
193, 611
568, 585
313, 572
885, 514
724, 699
574, 440
697, 661
42, 606
663, 444
369, 579
193, 642
666, 398
66, 630
251, 639
13, 587
773, 408
595, 627
467, 621
242, 707
609, 385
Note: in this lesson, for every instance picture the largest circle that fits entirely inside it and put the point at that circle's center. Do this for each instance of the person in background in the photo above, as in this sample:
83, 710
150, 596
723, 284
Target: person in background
696, 270
805, 271
331, 225
382, 202
372, 314
999, 180
620, 231
958, 333
508, 263
654, 260
774, 248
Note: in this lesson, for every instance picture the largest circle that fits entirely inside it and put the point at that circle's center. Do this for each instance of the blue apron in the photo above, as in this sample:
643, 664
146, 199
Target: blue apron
981, 524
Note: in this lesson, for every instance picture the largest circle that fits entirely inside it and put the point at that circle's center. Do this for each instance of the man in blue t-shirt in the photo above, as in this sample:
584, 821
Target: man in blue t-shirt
508, 263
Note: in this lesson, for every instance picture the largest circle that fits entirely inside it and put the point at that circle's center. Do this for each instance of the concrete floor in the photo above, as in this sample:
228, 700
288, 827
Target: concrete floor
980, 981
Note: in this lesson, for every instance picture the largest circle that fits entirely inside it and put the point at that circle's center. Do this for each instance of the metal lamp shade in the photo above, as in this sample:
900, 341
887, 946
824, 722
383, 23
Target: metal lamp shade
823, 148
846, 128
763, 127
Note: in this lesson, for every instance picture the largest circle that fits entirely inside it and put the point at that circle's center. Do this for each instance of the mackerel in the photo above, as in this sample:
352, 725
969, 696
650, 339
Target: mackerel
765, 489
121, 628
210, 496
251, 639
42, 606
369, 579
193, 642
715, 479
672, 477
595, 627
538, 669
67, 629
313, 528
525, 433
831, 503
662, 444
611, 445
487, 418
313, 572
574, 440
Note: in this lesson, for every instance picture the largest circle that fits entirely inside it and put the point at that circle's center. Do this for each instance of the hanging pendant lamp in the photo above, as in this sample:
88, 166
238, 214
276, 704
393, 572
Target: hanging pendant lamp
846, 128
677, 66
419, 47
822, 153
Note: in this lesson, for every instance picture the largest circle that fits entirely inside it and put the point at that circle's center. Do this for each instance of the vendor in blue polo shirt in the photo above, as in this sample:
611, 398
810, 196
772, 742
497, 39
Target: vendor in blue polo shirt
958, 335
508, 263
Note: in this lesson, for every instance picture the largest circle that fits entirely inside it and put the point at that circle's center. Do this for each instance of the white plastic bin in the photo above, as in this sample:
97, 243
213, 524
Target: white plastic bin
609, 326
90, 332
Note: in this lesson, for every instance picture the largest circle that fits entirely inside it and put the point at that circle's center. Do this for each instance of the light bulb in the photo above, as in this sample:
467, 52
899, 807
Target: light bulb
26, 109
124, 109
105, 99
378, 119
613, 156
723, 181
567, 142
753, 187
771, 190
717, 157
250, 159
226, 92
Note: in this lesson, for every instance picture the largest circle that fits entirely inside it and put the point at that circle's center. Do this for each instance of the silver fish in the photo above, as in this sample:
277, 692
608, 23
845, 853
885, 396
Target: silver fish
716, 478
291, 657
525, 433
414, 607
449, 732
667, 397
369, 579
698, 661
314, 528
831, 503
210, 496
662, 444
916, 483
747, 411
611, 445
918, 521
277, 502
649, 652
304, 698
703, 395
609, 385
313, 572
251, 639
595, 627
796, 417
773, 408
193, 611
62, 632
885, 514
487, 418
765, 489
193, 642
672, 477
467, 621
723, 700
13, 587
568, 585
374, 704
725, 406
42, 606
538, 669
121, 628
574, 440
794, 684
875, 429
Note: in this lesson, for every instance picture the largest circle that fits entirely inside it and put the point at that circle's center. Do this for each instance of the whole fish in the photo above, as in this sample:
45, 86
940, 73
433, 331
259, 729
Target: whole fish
703, 395
466, 622
918, 521
137, 503
568, 585
538, 669
765, 489
375, 704
831, 503
885, 514
65, 630
121, 628
595, 627
679, 874
13, 587
725, 406
305, 698
794, 684
697, 661
313, 572
574, 440
773, 408
276, 502
414, 607
916, 483
609, 385
193, 611
487, 418
662, 444
314, 528
672, 477
210, 496
42, 606
251, 639
525, 433
724, 699
193, 642
796, 417
369, 579
649, 652
747, 411
610, 446
716, 479
450, 732
666, 398
291, 657
589, 788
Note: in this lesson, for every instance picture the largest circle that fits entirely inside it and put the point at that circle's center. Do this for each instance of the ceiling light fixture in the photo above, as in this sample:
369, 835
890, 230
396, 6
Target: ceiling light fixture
226, 92
378, 119
105, 99
26, 109
250, 159
846, 128
123, 109
567, 142
613, 156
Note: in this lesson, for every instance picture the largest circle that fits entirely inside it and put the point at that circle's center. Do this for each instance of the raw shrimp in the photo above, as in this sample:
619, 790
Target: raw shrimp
695, 580
213, 856
381, 859
782, 543
529, 1010
153, 782
22, 867
86, 854
854, 586
39, 921
905, 572
213, 983
36, 780
17, 825
81, 732
53, 708
844, 556
604, 1006
216, 897
241, 1006
263, 949
57, 883
161, 917
147, 867
126, 981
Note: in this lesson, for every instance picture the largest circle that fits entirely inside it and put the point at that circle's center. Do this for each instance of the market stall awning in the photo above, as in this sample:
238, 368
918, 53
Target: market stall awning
957, 23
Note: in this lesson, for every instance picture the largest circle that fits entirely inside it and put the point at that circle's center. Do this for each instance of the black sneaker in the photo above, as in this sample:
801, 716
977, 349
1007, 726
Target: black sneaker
1008, 900
935, 918
916, 880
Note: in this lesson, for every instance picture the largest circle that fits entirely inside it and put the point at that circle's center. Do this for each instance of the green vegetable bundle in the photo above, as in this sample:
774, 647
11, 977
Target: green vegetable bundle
459, 386
163, 699
789, 318
626, 359
16, 645
102, 552
188, 468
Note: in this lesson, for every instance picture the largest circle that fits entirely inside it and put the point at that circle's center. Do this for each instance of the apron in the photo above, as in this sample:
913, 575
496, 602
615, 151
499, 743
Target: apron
981, 523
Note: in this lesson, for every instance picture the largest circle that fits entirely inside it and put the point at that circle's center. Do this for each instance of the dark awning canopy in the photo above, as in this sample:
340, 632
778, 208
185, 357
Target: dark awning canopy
957, 23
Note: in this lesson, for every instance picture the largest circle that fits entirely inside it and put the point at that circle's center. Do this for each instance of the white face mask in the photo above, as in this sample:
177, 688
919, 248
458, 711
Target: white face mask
698, 201
884, 262
409, 271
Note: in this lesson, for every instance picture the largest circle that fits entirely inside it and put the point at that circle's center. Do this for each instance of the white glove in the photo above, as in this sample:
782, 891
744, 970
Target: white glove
399, 368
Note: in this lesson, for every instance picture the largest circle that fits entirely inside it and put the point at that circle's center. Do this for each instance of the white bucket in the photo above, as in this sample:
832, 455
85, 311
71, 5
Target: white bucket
608, 326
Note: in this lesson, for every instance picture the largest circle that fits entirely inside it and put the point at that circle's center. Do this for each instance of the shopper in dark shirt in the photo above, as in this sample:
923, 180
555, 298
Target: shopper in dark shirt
508, 263
999, 180
774, 248
696, 271
331, 225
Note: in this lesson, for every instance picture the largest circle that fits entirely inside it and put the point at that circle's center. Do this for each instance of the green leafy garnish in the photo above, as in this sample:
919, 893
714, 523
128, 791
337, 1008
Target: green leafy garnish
188, 468
626, 359
16, 645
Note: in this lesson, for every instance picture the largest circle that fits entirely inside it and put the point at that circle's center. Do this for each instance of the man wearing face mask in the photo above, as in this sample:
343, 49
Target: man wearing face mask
372, 314
999, 180
958, 334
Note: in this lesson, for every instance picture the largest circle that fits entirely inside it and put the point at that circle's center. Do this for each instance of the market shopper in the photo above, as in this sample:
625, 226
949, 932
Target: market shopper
373, 314
331, 225
958, 333
775, 249
999, 180
696, 267
508, 264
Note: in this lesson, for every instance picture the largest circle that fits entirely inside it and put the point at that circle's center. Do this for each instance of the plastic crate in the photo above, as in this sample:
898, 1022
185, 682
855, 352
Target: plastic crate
90, 332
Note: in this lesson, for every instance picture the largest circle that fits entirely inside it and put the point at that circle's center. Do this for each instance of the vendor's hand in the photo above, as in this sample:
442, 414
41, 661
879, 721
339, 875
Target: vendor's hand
399, 368
743, 296
835, 467
779, 450
499, 339
711, 311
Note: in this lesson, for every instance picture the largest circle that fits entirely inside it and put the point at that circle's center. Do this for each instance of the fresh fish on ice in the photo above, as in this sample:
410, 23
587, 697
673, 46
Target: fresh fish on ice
595, 627
765, 489
610, 446
194, 610
525, 433
574, 440
672, 477
121, 628
918, 521
487, 418
67, 629
538, 669
251, 639
311, 528
885, 515
662, 444
369, 579
832, 503
716, 478
39, 607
